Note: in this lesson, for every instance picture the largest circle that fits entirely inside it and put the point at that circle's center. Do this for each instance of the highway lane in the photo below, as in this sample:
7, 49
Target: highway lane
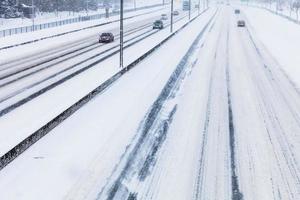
247, 126
194, 162
26, 119
37, 76
74, 44
267, 121
97, 139
246, 123
64, 42
234, 134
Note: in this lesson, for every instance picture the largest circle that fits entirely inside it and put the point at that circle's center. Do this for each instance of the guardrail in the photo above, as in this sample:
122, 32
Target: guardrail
25, 29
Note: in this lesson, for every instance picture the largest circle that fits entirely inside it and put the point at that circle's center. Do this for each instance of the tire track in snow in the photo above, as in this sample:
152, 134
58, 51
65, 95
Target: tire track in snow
71, 74
275, 72
236, 193
136, 165
274, 80
86, 48
19, 148
199, 181
268, 81
212, 87
77, 30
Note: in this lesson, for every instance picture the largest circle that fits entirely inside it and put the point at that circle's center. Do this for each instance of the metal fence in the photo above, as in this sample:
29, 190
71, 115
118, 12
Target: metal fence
25, 29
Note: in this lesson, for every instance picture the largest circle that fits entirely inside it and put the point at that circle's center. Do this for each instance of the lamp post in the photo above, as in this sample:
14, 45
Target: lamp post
32, 14
189, 9
172, 10
134, 4
121, 32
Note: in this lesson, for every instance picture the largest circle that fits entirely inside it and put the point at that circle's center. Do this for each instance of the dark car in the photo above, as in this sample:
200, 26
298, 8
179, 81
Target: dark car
241, 23
106, 38
237, 11
158, 24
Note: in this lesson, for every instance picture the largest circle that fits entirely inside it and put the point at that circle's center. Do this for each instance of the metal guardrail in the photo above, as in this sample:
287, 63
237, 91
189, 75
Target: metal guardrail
25, 29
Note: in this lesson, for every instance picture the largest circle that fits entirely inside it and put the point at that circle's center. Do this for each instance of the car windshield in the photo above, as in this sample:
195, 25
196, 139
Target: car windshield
105, 34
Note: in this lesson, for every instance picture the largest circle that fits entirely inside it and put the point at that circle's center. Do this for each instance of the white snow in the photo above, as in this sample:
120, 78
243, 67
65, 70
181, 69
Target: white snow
68, 93
238, 113
279, 36
88, 145
21, 38
45, 17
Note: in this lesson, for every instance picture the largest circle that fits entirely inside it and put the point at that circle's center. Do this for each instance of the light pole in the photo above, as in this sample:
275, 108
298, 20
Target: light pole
56, 13
32, 14
189, 9
172, 9
134, 4
121, 33
87, 7
199, 7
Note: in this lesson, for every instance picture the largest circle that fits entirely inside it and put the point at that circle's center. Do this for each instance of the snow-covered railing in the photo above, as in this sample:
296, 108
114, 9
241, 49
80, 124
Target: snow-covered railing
25, 29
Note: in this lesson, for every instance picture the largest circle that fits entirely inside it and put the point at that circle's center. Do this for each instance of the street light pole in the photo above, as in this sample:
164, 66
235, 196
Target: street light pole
87, 7
199, 7
172, 10
189, 9
121, 32
134, 5
32, 14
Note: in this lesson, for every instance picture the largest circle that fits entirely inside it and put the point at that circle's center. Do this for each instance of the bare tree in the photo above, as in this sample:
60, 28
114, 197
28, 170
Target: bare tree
296, 6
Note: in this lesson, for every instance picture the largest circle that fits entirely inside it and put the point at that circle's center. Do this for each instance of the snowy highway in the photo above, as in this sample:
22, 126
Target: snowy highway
52, 82
209, 113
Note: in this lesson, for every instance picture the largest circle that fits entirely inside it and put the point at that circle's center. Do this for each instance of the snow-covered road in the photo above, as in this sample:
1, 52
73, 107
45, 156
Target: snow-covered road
66, 84
215, 118
107, 126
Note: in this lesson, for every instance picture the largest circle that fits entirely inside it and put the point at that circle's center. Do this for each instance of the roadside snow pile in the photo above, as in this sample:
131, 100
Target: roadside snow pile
281, 38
